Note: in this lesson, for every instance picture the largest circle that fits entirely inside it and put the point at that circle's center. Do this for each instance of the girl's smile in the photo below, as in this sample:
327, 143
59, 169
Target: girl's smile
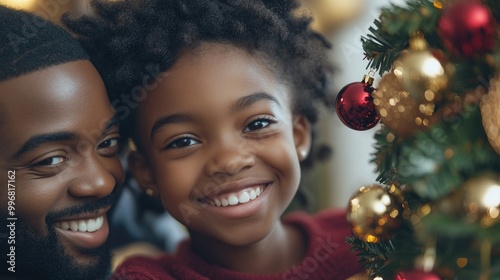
238, 199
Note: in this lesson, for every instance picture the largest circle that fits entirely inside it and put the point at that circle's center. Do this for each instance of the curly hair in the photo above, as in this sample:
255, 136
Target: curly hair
132, 42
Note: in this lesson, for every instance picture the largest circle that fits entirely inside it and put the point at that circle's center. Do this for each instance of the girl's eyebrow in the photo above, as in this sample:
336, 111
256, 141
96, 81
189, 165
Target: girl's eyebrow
248, 100
163, 121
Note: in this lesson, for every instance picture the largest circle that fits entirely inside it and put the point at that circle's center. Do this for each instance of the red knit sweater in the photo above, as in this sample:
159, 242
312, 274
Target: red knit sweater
328, 256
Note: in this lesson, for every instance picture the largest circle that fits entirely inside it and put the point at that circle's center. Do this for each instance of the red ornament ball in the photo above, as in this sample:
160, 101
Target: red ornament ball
355, 108
416, 275
467, 28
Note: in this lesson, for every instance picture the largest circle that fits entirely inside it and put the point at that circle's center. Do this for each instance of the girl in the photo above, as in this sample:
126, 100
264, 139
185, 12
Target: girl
219, 97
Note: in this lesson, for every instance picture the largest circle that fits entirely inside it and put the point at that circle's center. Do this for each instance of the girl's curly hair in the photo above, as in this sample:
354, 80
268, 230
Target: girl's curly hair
129, 40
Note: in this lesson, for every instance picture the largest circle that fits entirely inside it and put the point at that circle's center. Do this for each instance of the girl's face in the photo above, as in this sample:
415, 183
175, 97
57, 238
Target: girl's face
220, 145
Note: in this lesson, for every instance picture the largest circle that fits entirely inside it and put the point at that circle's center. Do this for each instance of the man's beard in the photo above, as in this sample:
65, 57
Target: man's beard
45, 257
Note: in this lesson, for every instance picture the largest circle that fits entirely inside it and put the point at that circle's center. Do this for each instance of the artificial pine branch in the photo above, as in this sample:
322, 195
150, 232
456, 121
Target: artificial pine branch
392, 31
384, 157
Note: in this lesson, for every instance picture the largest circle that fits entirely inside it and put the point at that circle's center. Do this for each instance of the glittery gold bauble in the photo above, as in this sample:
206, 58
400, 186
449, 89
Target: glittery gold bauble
401, 112
375, 213
490, 112
420, 72
481, 199
329, 15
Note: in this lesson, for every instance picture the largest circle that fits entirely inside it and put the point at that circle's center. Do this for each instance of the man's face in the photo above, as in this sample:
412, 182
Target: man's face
58, 151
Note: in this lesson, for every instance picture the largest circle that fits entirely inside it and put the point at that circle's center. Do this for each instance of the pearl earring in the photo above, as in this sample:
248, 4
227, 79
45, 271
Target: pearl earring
149, 192
303, 154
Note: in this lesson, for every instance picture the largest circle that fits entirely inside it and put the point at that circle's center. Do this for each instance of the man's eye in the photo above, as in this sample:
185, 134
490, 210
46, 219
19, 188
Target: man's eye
109, 143
182, 143
51, 161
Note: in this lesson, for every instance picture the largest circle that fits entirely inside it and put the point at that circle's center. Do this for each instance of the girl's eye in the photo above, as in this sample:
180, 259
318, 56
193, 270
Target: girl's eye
258, 124
51, 161
109, 143
182, 143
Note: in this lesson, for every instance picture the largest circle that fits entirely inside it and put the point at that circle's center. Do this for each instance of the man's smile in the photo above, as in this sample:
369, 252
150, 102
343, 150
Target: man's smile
86, 239
87, 230
82, 225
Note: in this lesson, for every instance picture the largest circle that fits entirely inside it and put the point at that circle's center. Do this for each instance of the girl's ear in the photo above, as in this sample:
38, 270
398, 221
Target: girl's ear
302, 136
139, 167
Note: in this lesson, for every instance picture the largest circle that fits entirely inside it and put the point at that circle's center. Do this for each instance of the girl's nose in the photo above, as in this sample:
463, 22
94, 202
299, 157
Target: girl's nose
229, 158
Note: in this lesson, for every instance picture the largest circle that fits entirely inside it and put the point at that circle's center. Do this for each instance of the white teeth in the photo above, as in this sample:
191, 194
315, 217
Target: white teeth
87, 225
73, 225
91, 225
244, 197
82, 226
233, 200
99, 222
64, 225
237, 198
253, 195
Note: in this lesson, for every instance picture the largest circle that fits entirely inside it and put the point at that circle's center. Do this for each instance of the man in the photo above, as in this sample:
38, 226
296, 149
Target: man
59, 168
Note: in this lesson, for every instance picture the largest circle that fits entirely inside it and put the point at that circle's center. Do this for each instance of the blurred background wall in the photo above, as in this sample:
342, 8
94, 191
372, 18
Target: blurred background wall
344, 22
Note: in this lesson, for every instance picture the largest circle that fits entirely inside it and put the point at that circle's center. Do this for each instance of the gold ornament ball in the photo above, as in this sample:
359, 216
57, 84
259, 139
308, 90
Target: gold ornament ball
375, 213
399, 110
329, 15
490, 113
481, 199
420, 72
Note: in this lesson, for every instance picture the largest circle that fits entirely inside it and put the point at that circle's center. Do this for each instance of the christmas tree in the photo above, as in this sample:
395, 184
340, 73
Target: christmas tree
435, 211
